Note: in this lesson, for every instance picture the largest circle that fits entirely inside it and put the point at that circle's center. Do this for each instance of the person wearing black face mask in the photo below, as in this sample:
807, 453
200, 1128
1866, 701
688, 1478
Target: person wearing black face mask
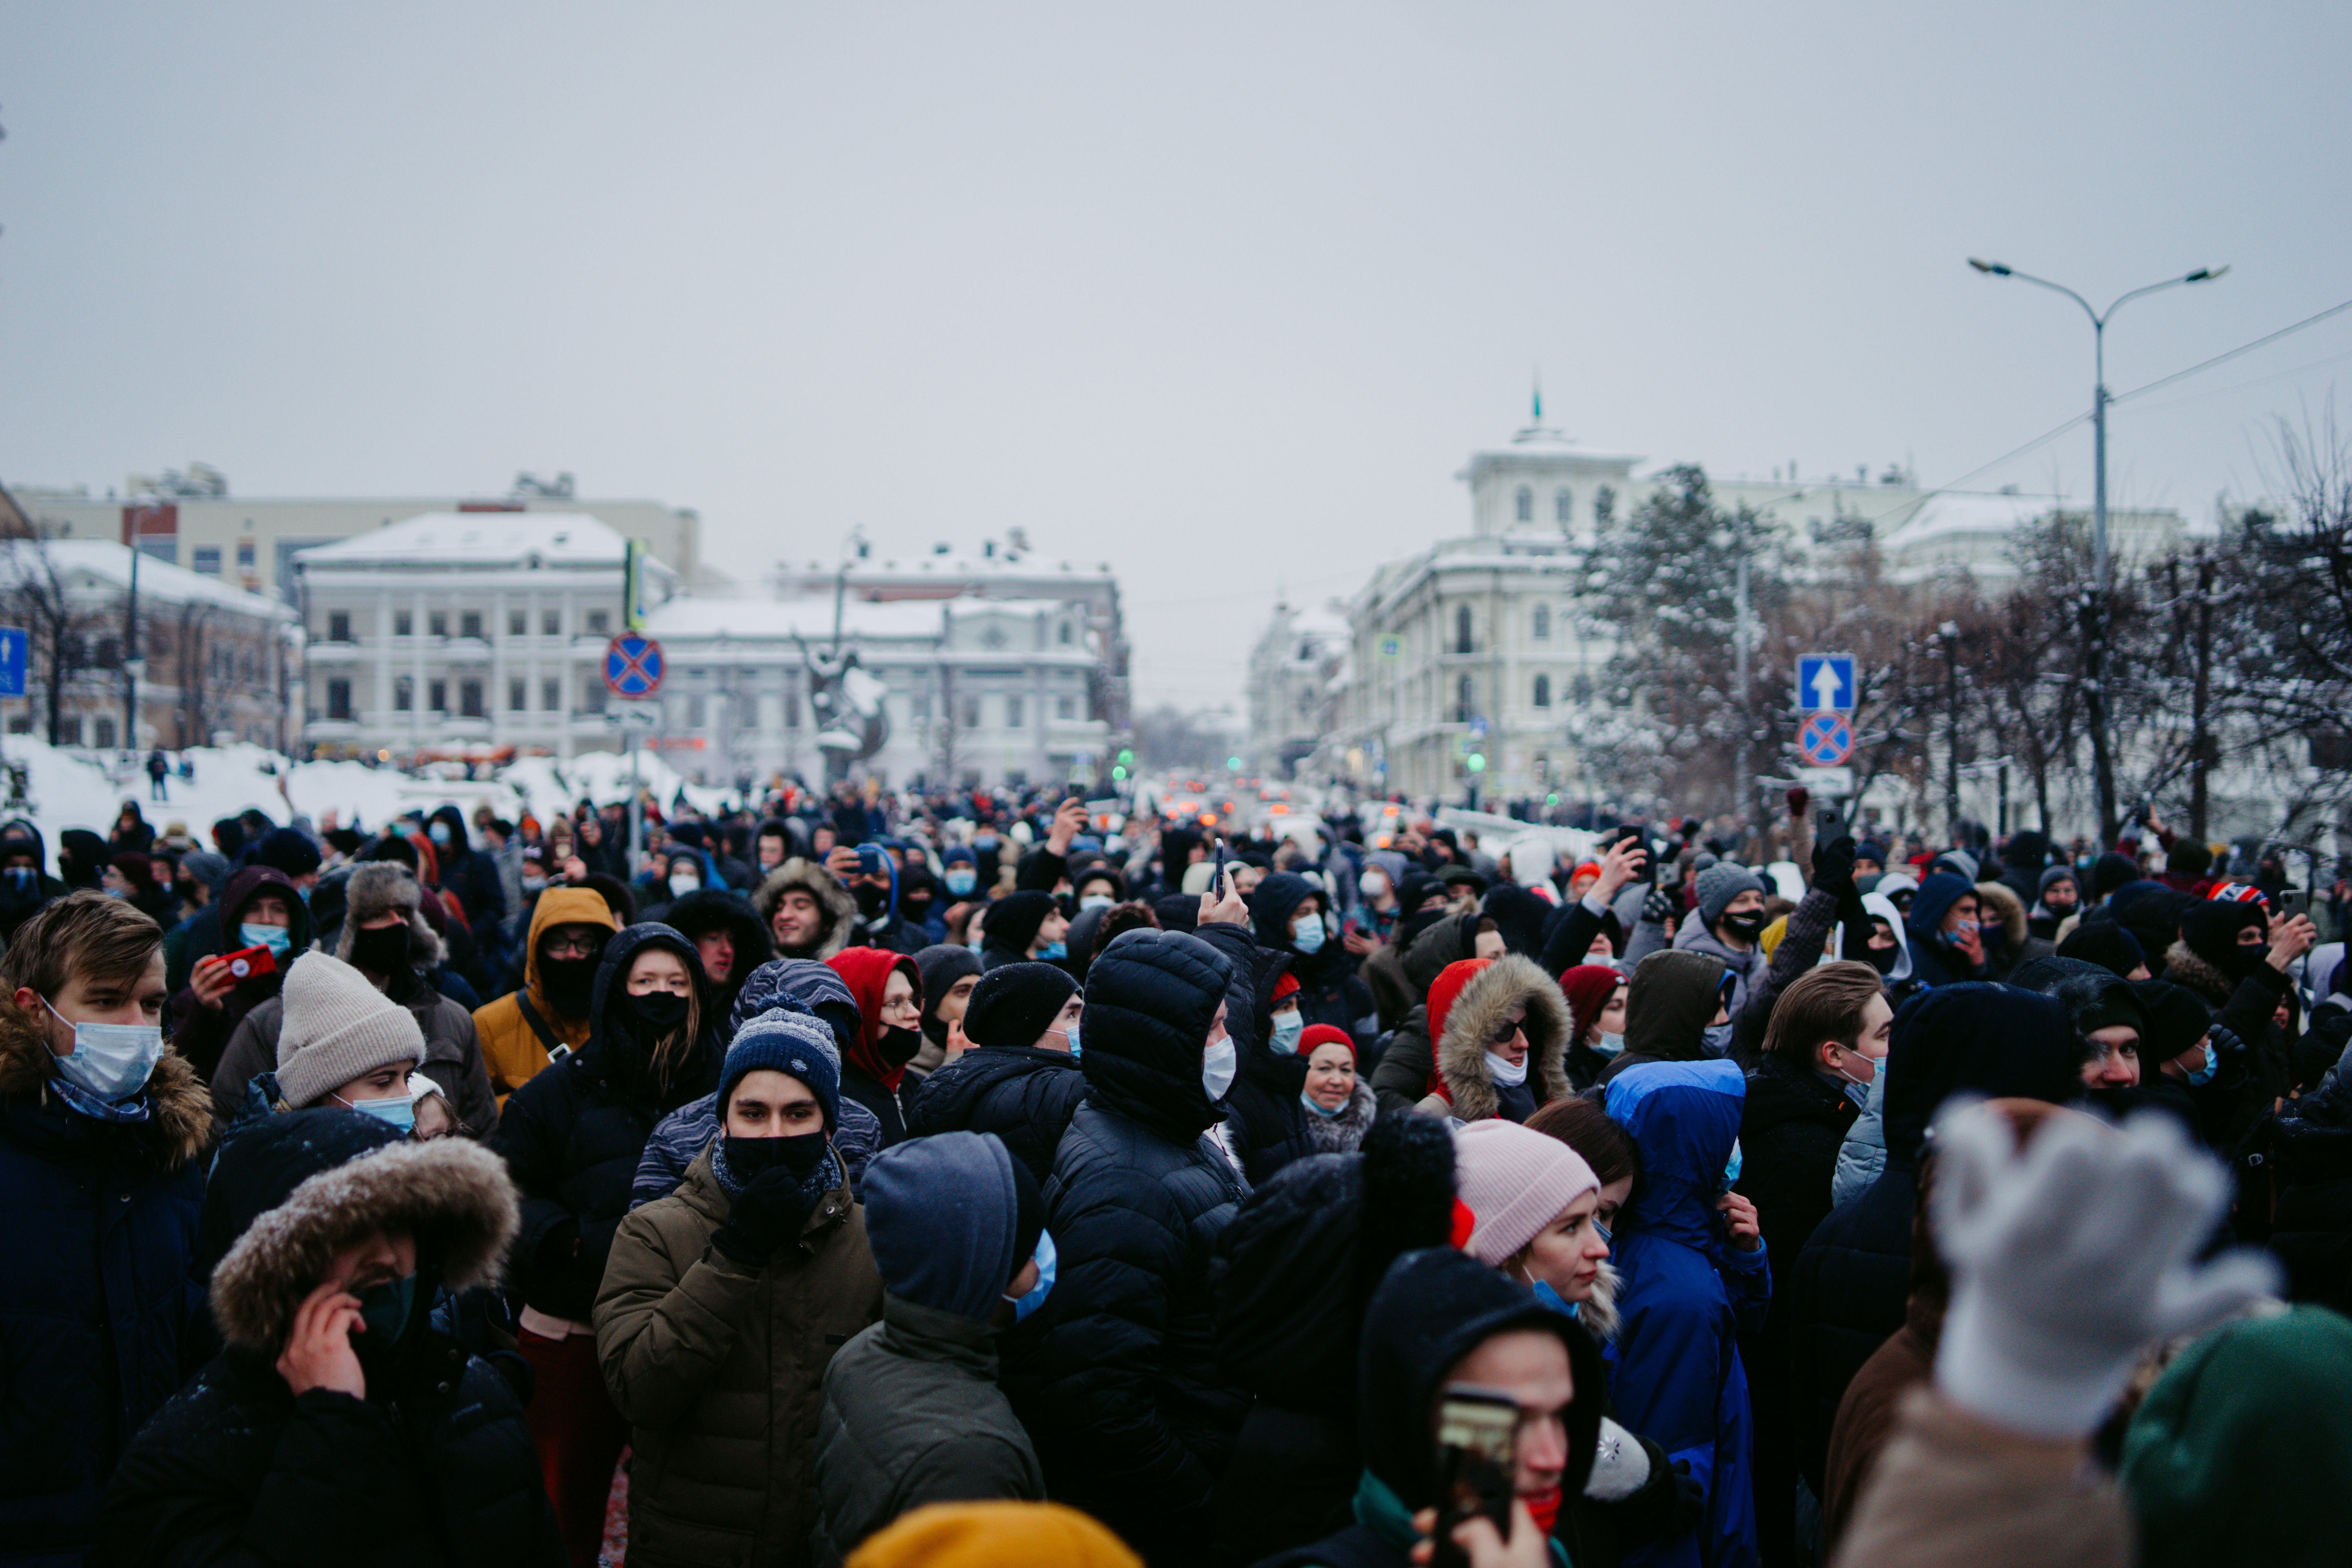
763, 1232
572, 1137
384, 936
1726, 925
339, 1423
24, 886
522, 1031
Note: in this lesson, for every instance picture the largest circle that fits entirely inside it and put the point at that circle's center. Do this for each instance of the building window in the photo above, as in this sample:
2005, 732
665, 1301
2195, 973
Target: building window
517, 696
404, 695
1543, 691
109, 653
102, 734
245, 555
1563, 506
339, 626
1066, 707
696, 716
516, 622
339, 700
592, 693
1013, 715
402, 624
1524, 505
972, 712
551, 695
206, 560
792, 709
1465, 702
469, 625
1065, 634
437, 697
70, 730
437, 623
600, 623
551, 623
1604, 506
1462, 629
1543, 623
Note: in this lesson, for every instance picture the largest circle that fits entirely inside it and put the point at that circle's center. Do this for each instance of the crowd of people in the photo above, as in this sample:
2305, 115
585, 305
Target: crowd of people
964, 1179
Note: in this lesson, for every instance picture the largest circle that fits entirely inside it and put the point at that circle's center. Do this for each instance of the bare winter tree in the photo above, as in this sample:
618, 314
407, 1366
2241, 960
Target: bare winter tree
33, 597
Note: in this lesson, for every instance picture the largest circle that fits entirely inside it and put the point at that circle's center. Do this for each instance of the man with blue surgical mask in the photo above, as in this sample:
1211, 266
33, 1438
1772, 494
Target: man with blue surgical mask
102, 1131
912, 1412
342, 1042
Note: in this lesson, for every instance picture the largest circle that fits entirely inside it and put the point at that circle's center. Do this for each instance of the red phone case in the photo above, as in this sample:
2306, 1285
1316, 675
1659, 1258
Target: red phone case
246, 963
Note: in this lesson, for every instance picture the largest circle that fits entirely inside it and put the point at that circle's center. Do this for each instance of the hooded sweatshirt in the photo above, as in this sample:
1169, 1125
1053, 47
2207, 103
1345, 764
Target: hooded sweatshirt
1673, 998
200, 1033
1481, 997
1685, 1299
511, 1049
912, 1414
1328, 989
874, 1064
1934, 961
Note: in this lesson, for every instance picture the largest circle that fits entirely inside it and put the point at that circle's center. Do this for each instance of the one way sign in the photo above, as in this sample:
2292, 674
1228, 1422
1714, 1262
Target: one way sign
1825, 683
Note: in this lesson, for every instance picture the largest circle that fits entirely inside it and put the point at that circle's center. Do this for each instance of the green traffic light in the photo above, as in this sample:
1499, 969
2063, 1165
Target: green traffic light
1118, 773
1234, 764
1551, 800
1125, 758
1476, 763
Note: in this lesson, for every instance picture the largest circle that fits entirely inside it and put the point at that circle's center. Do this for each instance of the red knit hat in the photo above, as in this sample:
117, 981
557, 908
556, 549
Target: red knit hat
1285, 986
1589, 988
1315, 1034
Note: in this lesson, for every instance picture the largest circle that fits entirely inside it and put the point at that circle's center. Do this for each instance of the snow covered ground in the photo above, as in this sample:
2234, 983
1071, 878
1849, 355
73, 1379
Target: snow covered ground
75, 788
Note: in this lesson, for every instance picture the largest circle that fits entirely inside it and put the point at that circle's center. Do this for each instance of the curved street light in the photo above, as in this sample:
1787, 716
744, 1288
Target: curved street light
2096, 612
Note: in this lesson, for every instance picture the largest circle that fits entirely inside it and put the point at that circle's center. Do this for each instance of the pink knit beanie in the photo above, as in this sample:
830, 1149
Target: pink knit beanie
1516, 1182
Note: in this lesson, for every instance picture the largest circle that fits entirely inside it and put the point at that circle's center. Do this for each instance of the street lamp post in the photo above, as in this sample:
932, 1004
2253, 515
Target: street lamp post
2094, 607
1951, 632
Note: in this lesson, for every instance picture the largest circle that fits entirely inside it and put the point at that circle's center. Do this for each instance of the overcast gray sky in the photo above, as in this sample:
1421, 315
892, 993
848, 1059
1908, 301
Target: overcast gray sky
1220, 293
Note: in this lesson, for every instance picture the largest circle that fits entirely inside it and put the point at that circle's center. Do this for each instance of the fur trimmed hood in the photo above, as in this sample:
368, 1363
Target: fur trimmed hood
840, 906
452, 1193
1477, 1013
379, 886
2002, 900
179, 1109
2184, 968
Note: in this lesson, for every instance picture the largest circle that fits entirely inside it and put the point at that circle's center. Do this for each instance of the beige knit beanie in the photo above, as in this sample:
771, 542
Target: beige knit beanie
1513, 1183
337, 1026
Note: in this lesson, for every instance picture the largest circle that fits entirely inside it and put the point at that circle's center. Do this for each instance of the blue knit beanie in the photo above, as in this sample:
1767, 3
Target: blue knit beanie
791, 1043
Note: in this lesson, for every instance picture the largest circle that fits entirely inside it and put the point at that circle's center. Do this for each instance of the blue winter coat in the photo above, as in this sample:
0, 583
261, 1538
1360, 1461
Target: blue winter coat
1674, 1365
98, 1223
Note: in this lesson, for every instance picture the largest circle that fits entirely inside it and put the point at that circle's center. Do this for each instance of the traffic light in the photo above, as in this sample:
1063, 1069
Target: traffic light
1125, 758
1117, 773
1233, 763
1475, 762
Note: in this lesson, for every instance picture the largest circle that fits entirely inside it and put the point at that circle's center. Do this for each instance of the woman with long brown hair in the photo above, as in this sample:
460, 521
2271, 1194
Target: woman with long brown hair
572, 1136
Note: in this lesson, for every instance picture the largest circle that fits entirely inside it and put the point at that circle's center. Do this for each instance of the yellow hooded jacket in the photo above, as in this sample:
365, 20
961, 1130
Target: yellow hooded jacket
511, 1049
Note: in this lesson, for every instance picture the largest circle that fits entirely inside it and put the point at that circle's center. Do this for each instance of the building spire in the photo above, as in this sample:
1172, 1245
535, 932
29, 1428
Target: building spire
1537, 420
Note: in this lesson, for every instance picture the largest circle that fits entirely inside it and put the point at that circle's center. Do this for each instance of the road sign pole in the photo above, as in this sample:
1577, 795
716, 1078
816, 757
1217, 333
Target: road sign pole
636, 809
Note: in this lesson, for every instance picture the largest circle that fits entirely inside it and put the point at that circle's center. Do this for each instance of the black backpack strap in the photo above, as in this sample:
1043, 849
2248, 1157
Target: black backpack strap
556, 1049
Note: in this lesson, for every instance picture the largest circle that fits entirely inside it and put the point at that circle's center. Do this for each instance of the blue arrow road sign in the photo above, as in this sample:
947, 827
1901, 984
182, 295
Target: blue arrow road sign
633, 665
1825, 683
12, 662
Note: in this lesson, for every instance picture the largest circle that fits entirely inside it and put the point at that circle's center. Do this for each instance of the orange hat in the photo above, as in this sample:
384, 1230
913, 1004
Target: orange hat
1589, 869
993, 1535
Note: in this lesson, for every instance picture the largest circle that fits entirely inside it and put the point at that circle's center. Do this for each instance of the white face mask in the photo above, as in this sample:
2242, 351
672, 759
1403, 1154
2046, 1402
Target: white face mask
1508, 1073
682, 885
111, 1061
1219, 1063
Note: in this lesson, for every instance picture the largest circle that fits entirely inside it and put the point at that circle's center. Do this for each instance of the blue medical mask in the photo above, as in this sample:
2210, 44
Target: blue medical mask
1731, 1166
961, 880
985, 842
1330, 1115
1283, 1038
1550, 1298
1718, 1039
2204, 1075
399, 1110
1609, 1044
439, 833
1307, 936
276, 939
1095, 901
1023, 1305
1051, 951
111, 1061
1071, 1035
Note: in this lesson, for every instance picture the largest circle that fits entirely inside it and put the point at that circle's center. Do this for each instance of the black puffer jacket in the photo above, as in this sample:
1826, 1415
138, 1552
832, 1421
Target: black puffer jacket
1266, 1118
573, 1134
1853, 1277
1024, 1094
1115, 1376
1291, 1276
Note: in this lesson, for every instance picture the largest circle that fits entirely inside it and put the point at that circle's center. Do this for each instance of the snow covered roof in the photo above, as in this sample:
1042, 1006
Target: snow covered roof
105, 564
1946, 515
690, 617
477, 539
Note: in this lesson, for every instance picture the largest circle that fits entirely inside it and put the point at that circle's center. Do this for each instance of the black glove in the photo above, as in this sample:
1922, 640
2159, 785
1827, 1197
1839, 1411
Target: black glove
1658, 909
1834, 868
2225, 1042
1690, 1500
766, 1215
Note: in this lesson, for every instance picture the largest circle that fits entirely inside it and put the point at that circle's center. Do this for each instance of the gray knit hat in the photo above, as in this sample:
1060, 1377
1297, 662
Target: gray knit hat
336, 1027
1719, 884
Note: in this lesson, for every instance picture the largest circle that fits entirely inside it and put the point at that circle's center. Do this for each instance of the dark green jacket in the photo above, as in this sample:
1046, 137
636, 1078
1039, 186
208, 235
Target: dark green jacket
913, 1415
